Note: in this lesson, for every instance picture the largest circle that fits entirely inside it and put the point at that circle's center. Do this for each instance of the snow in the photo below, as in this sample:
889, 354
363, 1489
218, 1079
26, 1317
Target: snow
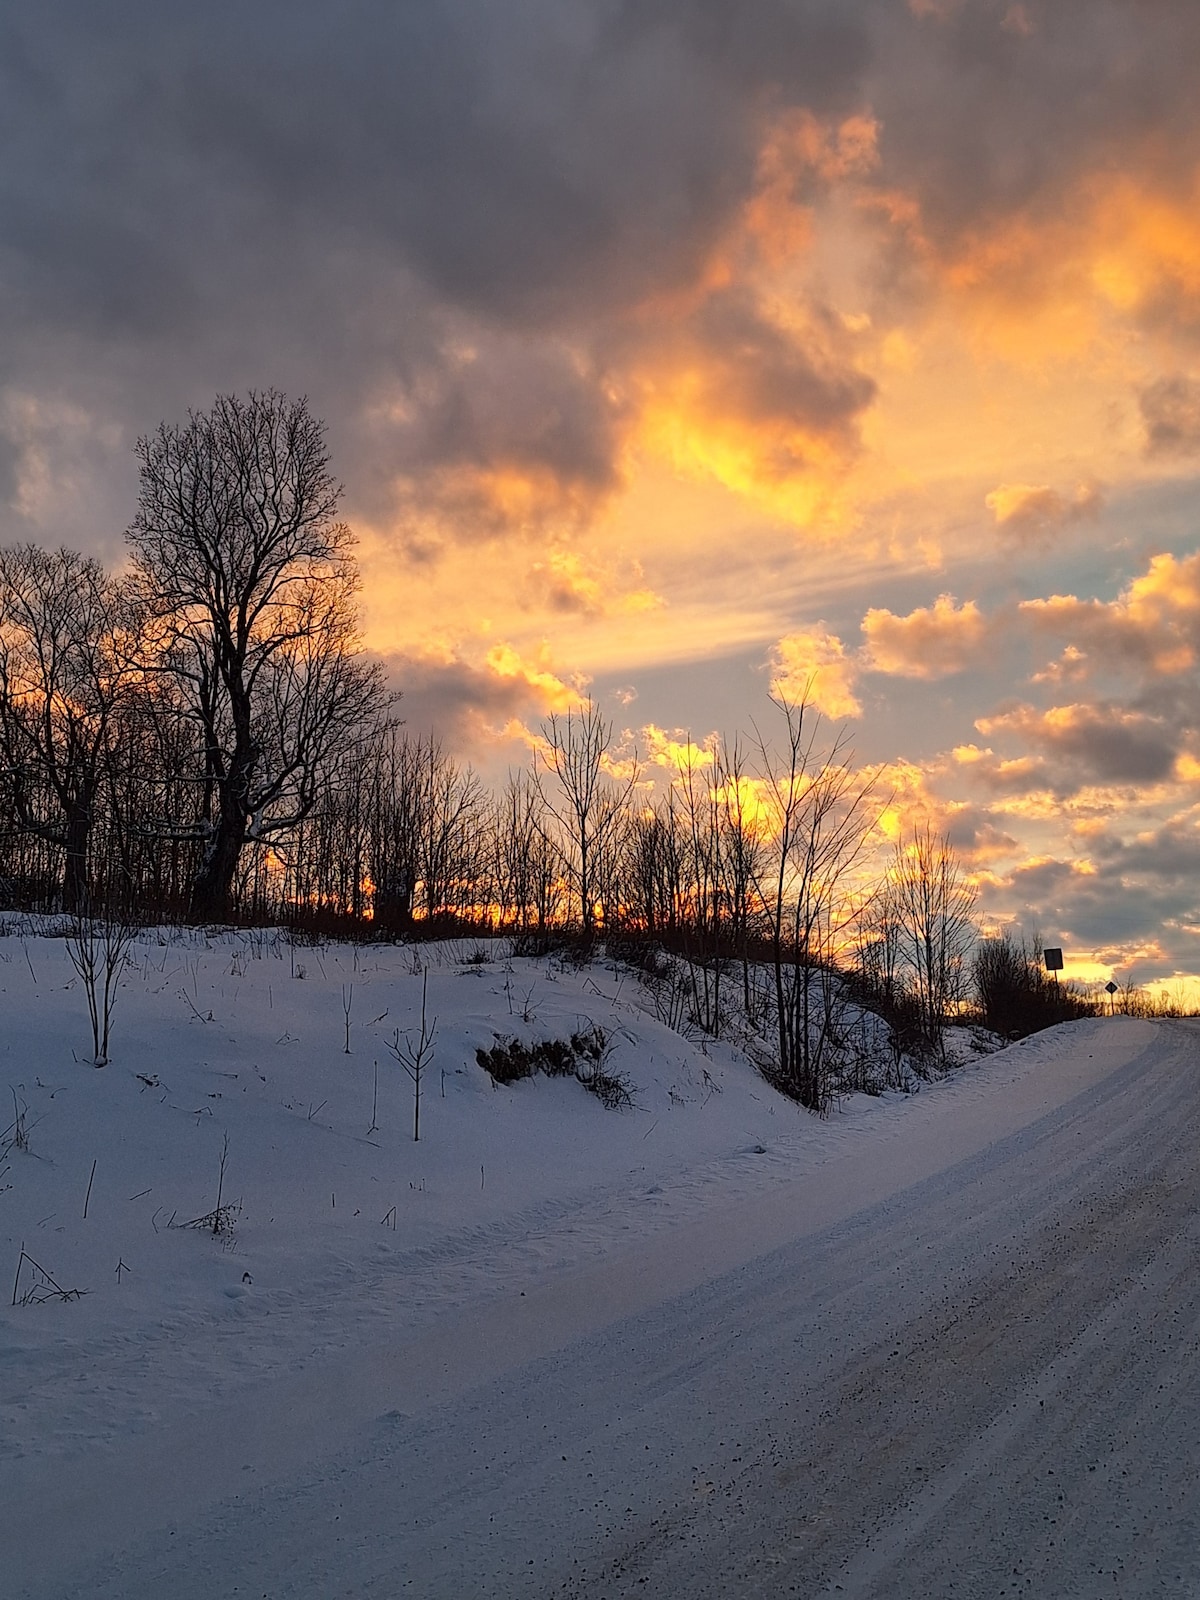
550, 1347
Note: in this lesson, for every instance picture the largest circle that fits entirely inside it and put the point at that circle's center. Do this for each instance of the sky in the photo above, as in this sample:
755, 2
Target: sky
680, 354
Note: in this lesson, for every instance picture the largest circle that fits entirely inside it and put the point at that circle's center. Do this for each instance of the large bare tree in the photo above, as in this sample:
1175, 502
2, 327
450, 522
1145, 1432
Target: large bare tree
250, 583
64, 630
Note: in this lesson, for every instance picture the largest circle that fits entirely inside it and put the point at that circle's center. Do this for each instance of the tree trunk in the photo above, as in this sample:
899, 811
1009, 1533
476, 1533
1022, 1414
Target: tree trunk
212, 887
78, 836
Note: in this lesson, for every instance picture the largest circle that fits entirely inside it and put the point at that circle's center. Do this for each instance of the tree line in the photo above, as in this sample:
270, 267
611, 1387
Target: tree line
203, 736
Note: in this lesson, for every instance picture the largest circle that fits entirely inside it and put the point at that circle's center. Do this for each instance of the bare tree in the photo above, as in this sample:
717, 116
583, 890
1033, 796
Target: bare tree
932, 909
742, 855
822, 821
528, 865
250, 582
653, 869
586, 802
702, 815
63, 672
429, 851
413, 1054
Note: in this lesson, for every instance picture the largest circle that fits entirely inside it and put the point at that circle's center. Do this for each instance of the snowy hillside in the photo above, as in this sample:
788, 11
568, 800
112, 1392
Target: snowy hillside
185, 1337
330, 1211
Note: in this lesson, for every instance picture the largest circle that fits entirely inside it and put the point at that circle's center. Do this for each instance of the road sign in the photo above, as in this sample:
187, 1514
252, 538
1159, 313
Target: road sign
1053, 959
1110, 987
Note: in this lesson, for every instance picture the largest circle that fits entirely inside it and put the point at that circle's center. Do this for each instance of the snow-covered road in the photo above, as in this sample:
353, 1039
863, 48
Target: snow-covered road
957, 1359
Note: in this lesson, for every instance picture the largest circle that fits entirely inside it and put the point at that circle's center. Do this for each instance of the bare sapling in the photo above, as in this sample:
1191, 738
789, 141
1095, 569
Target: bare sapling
16, 1135
223, 1215
413, 1054
99, 938
347, 1004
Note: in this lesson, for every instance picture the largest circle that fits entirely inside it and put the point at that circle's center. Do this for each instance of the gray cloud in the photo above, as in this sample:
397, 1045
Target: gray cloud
984, 121
1130, 900
1169, 854
1171, 414
764, 372
335, 200
461, 705
1100, 742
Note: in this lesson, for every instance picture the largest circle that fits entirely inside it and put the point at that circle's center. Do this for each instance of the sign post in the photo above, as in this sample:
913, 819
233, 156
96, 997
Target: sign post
1110, 990
1054, 961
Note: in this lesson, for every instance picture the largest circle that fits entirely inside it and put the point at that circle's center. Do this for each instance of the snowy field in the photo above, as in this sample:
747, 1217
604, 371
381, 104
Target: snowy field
704, 1345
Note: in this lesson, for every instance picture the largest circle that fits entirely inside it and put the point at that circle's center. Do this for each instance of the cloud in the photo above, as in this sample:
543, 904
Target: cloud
1153, 625
930, 642
812, 666
1169, 853
492, 430
429, 219
1170, 411
676, 750
1106, 742
1130, 904
1005, 776
1017, 20
986, 122
1070, 667
570, 584
767, 406
1036, 509
473, 705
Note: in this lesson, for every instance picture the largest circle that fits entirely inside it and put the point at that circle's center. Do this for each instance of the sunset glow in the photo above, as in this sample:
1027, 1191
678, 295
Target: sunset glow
841, 352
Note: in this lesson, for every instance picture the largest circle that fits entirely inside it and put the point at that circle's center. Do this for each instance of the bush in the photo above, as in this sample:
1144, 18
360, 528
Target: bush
1015, 995
583, 1056
508, 1060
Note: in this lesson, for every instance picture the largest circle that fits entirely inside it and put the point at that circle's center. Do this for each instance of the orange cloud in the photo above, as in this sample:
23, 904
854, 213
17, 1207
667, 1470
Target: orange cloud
553, 694
570, 583
1070, 667
1017, 20
928, 643
1028, 508
1170, 410
763, 399
776, 225
941, 10
1148, 245
1155, 623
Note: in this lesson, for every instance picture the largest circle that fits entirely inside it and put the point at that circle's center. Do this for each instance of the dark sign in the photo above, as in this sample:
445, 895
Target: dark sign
1110, 987
1054, 960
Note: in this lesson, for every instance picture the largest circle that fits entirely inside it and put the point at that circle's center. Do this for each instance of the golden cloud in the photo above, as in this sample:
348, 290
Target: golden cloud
678, 752
812, 667
758, 394
569, 582
536, 677
1148, 243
